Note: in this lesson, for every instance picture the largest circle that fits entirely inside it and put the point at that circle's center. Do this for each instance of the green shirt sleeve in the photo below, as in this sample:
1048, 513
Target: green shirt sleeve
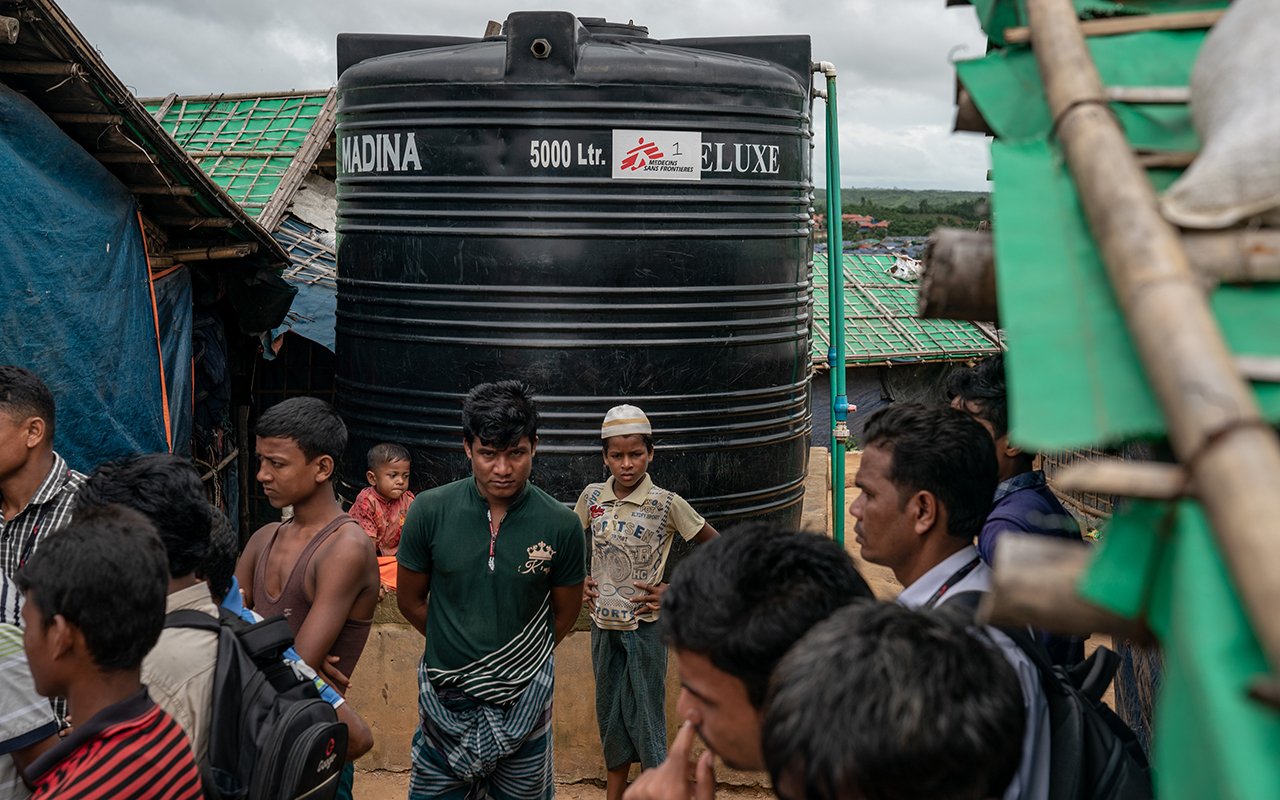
569, 566
414, 551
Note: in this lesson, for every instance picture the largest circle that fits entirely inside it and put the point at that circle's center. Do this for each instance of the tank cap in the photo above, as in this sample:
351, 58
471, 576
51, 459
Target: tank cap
599, 26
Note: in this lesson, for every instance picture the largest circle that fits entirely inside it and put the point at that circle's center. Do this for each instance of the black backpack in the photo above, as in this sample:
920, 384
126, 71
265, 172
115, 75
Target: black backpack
271, 737
1093, 753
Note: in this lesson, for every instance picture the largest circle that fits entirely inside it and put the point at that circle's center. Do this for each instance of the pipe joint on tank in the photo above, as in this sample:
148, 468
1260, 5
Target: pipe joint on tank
831, 358
826, 68
819, 93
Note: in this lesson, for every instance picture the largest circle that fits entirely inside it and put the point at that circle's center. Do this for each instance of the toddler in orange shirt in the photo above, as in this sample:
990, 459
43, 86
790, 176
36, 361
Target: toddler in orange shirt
381, 506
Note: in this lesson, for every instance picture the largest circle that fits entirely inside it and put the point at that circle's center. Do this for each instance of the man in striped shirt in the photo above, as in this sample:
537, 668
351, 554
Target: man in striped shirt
36, 485
27, 726
94, 600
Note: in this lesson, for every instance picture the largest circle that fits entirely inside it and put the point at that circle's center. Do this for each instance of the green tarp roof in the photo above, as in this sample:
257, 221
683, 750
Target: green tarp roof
880, 321
244, 143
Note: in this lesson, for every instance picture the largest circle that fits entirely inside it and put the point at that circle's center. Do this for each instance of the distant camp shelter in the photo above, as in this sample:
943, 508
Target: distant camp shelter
891, 354
273, 154
133, 285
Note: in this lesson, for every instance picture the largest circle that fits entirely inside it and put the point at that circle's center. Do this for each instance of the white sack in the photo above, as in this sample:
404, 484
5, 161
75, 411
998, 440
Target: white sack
1235, 105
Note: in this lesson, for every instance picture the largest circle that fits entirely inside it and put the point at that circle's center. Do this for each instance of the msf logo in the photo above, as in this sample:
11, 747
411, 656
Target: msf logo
640, 155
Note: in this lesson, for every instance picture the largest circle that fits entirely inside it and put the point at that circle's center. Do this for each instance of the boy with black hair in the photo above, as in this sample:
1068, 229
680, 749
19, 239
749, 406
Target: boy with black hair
733, 609
1023, 502
36, 485
885, 703
94, 605
318, 570
926, 478
380, 508
502, 563
179, 671
631, 524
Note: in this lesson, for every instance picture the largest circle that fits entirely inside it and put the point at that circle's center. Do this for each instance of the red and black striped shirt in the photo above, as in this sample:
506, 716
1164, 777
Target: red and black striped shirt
132, 750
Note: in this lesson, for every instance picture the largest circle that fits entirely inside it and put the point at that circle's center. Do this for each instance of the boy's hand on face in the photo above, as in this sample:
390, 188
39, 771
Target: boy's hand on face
677, 778
652, 594
590, 593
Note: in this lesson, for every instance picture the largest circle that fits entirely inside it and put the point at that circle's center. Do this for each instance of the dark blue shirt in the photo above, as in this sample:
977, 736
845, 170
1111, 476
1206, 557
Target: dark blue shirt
1026, 504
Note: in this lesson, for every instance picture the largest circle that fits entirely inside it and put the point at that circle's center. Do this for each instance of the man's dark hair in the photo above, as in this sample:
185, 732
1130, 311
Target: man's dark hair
880, 702
500, 414
106, 574
940, 450
385, 453
219, 565
983, 388
744, 598
310, 422
23, 394
644, 437
165, 489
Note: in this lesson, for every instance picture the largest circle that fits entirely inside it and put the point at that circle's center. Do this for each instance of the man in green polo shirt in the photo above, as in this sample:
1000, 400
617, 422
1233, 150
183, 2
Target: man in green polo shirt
502, 563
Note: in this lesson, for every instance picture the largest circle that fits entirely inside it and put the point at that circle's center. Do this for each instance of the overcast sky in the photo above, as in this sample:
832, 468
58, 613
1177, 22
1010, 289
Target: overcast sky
896, 81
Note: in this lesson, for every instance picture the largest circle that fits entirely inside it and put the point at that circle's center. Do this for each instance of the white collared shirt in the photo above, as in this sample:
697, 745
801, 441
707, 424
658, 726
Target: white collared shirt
1032, 779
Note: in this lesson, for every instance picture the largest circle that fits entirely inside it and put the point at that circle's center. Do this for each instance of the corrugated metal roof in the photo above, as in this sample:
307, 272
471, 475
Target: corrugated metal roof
256, 147
880, 318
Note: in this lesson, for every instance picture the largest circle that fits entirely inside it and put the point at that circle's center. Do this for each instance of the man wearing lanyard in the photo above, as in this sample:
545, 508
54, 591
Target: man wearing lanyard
36, 485
927, 477
502, 564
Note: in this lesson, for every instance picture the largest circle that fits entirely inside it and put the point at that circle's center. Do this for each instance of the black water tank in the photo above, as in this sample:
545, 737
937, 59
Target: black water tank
607, 217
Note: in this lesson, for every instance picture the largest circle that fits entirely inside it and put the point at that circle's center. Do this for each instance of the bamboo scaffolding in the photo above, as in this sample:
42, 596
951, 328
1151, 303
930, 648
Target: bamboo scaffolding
1231, 456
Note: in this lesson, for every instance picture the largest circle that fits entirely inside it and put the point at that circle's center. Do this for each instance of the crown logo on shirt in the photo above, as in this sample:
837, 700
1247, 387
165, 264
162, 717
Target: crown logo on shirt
539, 556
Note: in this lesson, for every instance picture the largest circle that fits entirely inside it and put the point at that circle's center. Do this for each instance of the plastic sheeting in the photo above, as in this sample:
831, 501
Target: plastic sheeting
76, 305
173, 306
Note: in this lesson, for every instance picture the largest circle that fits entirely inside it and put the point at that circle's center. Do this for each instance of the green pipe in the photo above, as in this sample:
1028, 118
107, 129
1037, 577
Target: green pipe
836, 355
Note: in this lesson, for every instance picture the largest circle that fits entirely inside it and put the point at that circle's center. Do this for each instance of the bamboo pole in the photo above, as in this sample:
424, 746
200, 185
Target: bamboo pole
1215, 426
958, 275
1138, 23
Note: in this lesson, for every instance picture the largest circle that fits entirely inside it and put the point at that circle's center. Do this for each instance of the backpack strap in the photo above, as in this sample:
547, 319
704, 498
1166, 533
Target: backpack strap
187, 618
1091, 676
266, 639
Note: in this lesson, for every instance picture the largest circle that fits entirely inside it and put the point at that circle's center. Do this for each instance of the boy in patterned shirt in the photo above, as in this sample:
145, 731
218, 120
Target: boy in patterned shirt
380, 508
630, 524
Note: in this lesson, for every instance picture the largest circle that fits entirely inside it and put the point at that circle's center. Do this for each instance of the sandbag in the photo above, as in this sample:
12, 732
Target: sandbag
1235, 105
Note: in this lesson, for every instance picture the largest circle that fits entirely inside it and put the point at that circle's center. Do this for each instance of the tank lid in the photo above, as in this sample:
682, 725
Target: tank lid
599, 26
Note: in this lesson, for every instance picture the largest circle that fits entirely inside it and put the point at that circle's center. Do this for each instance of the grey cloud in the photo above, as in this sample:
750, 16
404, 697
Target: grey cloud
897, 85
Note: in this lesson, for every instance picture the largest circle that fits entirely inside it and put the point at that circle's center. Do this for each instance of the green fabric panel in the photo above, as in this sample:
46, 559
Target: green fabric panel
1005, 85
1074, 374
1210, 739
1126, 562
880, 318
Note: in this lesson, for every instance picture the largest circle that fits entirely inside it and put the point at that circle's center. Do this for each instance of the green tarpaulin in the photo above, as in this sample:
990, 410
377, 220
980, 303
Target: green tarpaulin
1159, 561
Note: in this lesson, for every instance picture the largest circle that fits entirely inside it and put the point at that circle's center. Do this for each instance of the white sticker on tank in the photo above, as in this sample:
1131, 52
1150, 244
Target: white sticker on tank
657, 155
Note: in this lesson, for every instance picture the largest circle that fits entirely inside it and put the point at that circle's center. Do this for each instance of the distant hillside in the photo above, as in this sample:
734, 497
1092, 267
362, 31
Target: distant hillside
909, 212
898, 198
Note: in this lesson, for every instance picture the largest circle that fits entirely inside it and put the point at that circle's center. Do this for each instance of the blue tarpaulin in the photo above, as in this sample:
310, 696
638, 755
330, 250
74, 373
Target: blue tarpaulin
75, 298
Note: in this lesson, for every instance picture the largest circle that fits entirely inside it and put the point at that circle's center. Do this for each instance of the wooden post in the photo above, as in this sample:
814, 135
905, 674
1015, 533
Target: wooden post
1215, 426
957, 277
1034, 583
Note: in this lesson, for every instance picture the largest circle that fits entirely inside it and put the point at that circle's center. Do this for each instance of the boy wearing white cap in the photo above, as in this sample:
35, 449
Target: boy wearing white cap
631, 524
